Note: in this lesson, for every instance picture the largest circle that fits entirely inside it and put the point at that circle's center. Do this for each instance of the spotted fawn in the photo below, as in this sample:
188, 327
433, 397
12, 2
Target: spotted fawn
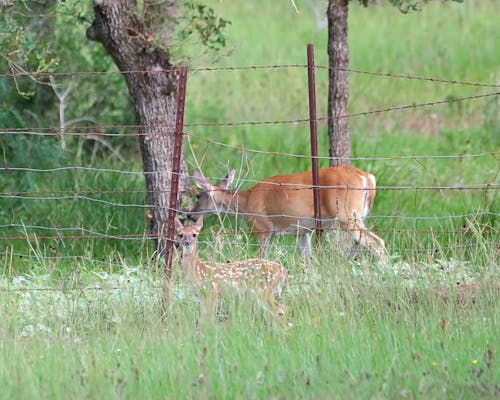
263, 277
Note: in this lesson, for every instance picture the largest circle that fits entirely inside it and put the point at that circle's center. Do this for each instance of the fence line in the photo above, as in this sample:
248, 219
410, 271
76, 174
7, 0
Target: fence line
90, 234
81, 194
228, 244
412, 77
246, 68
75, 195
233, 243
402, 217
150, 236
408, 106
76, 168
243, 149
64, 289
100, 130
292, 155
39, 257
55, 130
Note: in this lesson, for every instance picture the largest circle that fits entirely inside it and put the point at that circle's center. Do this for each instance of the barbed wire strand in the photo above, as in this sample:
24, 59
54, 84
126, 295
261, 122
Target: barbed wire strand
229, 244
97, 286
68, 131
372, 217
151, 236
243, 149
245, 68
274, 186
288, 187
308, 156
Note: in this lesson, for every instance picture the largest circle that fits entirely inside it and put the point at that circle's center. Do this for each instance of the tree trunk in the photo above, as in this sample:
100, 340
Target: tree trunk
154, 97
338, 83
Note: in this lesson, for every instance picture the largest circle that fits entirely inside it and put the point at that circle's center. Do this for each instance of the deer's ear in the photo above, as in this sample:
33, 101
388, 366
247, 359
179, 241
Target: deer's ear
228, 180
199, 222
178, 225
201, 181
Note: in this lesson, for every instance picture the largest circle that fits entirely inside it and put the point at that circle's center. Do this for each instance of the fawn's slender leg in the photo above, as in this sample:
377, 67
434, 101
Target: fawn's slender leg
213, 295
269, 293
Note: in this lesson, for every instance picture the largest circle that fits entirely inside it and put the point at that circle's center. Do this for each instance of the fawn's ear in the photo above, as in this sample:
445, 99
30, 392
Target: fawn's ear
199, 222
201, 181
178, 225
228, 180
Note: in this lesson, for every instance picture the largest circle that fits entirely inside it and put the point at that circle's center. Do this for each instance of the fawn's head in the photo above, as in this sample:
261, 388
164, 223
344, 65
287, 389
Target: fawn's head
188, 235
212, 198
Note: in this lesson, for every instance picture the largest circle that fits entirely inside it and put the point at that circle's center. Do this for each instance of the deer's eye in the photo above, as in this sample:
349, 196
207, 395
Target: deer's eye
181, 235
194, 235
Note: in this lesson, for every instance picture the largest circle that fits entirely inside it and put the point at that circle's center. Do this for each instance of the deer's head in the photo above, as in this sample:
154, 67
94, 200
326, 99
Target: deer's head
212, 199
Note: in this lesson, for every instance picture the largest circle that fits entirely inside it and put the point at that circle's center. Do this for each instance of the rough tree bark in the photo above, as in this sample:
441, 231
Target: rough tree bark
128, 41
338, 84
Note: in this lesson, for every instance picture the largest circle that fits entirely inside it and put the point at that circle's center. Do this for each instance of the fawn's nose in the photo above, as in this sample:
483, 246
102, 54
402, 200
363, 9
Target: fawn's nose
186, 248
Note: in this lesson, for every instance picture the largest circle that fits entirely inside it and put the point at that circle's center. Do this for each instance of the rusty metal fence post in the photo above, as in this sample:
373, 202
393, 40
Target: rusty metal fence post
174, 187
314, 140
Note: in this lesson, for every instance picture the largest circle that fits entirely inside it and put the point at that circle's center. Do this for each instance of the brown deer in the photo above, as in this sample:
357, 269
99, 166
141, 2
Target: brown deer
263, 277
283, 204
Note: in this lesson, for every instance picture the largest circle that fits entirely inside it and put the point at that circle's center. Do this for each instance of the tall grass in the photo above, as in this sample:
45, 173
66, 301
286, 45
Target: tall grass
424, 325
359, 333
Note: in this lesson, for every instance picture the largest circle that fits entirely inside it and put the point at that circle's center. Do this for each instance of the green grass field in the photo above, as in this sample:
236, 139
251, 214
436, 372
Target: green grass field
81, 317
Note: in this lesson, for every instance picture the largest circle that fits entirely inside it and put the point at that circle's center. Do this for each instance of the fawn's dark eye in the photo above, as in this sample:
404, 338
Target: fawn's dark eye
181, 235
194, 235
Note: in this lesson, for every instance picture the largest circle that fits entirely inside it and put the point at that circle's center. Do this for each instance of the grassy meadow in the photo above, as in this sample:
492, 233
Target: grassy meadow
81, 317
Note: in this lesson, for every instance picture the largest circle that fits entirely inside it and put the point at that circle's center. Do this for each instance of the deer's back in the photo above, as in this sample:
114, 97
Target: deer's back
283, 196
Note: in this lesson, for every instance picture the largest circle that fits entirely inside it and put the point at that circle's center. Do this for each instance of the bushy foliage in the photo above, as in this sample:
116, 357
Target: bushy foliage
44, 38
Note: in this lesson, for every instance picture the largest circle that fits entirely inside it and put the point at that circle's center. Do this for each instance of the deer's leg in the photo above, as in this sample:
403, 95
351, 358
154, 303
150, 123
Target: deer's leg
354, 249
304, 242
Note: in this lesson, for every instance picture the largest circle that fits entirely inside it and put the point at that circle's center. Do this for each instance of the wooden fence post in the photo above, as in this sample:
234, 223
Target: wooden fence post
174, 188
314, 140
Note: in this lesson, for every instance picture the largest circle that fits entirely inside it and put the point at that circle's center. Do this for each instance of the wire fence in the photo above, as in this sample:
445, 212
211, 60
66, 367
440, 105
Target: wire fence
136, 198
246, 68
54, 131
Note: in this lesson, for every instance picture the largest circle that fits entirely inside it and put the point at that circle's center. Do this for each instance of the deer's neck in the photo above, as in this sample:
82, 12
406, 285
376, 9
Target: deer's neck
235, 201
